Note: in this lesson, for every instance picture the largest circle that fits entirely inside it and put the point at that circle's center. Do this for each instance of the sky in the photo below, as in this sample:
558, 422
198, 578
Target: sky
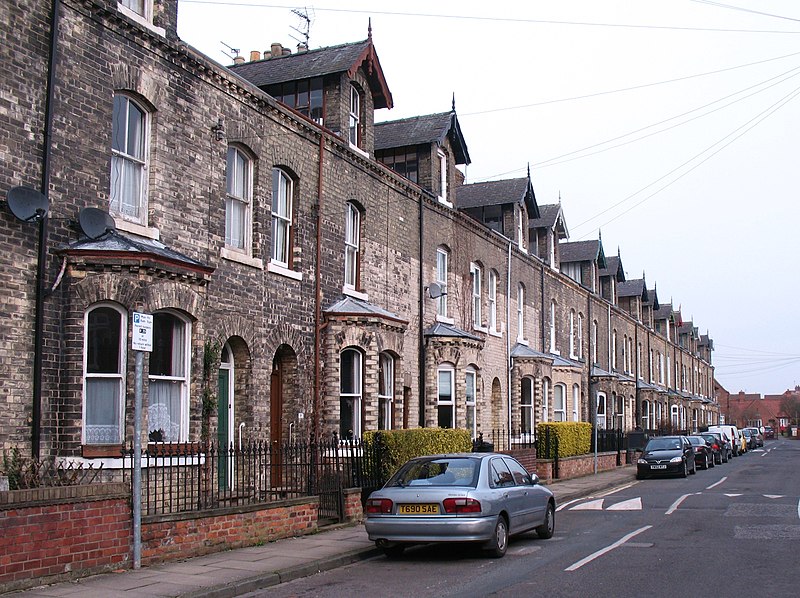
667, 127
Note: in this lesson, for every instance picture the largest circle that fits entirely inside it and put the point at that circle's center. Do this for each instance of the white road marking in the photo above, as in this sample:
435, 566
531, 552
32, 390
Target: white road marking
773, 496
609, 548
566, 504
610, 492
678, 502
715, 484
594, 505
634, 504
798, 508
732, 495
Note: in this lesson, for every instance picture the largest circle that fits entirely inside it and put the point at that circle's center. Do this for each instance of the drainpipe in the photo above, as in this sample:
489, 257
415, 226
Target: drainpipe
318, 325
36, 423
421, 355
508, 338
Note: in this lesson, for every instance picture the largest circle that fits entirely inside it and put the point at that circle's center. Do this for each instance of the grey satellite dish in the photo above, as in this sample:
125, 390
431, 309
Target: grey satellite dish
435, 290
95, 222
27, 204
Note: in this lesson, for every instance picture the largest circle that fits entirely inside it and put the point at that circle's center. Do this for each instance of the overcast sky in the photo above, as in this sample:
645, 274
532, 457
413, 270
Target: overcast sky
670, 127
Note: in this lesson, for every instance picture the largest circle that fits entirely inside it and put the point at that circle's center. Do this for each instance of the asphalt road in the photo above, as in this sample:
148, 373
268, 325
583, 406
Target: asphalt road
733, 528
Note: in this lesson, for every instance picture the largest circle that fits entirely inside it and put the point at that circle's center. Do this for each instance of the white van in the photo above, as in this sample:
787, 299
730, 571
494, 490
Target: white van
732, 432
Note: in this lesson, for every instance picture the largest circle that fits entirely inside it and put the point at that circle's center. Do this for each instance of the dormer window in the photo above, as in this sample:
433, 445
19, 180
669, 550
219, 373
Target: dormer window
354, 134
443, 177
304, 95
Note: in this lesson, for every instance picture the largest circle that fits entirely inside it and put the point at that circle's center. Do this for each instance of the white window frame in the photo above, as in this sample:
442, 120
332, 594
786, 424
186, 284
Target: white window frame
594, 341
526, 422
385, 390
352, 245
553, 346
646, 415
470, 402
576, 398
119, 377
443, 174
442, 271
613, 359
281, 209
179, 362
477, 291
127, 164
660, 367
352, 395
579, 338
545, 399
492, 291
239, 192
559, 402
601, 410
354, 121
449, 400
572, 334
521, 313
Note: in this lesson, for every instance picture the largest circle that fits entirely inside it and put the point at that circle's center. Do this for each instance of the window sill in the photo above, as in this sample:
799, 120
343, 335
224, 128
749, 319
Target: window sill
137, 229
355, 294
284, 271
443, 201
135, 16
445, 320
93, 451
522, 341
496, 333
358, 150
480, 329
236, 256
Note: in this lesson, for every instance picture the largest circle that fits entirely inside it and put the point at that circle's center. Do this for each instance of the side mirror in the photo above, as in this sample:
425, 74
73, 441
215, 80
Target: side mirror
534, 479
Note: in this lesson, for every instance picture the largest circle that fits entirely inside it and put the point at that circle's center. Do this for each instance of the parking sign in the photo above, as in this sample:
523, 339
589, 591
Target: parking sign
142, 332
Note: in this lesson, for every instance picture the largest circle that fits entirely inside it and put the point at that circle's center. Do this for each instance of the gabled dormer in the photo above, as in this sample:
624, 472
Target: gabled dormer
632, 295
610, 278
339, 87
688, 337
426, 150
649, 308
704, 348
582, 262
546, 232
675, 323
505, 206
662, 317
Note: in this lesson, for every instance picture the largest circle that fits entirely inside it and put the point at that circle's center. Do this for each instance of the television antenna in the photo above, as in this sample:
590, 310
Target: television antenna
305, 26
234, 52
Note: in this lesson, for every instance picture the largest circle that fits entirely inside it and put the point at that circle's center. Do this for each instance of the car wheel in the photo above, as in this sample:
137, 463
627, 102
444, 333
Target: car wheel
547, 528
499, 544
705, 463
685, 471
694, 467
394, 551
713, 462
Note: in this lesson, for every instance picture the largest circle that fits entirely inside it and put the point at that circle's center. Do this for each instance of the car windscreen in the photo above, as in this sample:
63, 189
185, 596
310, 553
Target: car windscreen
697, 440
663, 444
444, 471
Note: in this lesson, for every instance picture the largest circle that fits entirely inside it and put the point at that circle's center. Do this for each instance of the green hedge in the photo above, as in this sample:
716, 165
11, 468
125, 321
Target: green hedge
401, 445
574, 438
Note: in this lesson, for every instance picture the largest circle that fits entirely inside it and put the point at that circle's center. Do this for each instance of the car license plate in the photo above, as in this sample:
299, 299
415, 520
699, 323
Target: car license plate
418, 509
658, 467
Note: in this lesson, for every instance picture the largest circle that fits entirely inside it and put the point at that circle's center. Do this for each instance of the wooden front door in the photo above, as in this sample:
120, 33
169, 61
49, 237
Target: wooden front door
275, 419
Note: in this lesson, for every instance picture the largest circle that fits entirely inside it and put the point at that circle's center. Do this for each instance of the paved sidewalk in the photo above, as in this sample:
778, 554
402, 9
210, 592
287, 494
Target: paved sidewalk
235, 572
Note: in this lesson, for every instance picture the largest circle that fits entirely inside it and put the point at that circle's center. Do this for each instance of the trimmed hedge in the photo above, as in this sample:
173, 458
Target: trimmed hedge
574, 438
401, 445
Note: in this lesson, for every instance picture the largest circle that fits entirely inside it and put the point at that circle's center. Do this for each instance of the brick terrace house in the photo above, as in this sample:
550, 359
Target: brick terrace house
312, 270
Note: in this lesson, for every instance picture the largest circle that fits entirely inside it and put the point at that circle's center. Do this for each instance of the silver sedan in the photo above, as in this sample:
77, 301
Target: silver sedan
465, 497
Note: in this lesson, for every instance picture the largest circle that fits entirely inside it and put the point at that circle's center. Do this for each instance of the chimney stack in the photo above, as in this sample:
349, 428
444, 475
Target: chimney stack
255, 55
276, 49
302, 47
238, 59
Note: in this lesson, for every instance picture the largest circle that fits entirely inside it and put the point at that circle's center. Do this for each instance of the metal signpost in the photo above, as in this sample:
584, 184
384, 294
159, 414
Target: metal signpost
142, 342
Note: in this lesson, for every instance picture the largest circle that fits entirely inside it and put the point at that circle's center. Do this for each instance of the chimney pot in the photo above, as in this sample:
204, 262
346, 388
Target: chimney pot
287, 51
302, 47
238, 59
255, 55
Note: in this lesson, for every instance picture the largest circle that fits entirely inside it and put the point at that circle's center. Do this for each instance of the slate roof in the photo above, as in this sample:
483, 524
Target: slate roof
423, 130
613, 267
632, 288
550, 216
442, 329
353, 306
521, 350
652, 298
318, 63
707, 341
492, 193
582, 251
663, 312
115, 244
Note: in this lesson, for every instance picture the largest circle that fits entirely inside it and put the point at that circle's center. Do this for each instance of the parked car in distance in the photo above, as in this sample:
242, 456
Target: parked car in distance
756, 433
749, 438
769, 433
665, 455
733, 435
720, 447
464, 497
703, 454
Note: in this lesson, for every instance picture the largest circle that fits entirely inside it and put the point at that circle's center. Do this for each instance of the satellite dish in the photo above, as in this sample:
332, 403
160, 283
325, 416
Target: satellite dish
27, 204
95, 222
435, 290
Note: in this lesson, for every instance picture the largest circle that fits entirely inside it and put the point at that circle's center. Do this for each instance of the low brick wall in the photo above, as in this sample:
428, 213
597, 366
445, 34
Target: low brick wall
54, 534
172, 537
575, 467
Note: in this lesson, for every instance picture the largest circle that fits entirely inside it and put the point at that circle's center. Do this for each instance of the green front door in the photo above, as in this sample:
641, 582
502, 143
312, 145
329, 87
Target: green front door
223, 436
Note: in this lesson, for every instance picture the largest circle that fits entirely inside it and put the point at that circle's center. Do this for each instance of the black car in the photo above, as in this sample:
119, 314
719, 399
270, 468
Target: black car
665, 455
703, 454
721, 449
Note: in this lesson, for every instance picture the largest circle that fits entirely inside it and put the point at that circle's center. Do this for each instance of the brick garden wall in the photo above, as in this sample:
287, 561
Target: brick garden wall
575, 467
47, 534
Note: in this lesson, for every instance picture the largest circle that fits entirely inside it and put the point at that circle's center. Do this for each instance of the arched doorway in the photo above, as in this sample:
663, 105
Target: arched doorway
225, 417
